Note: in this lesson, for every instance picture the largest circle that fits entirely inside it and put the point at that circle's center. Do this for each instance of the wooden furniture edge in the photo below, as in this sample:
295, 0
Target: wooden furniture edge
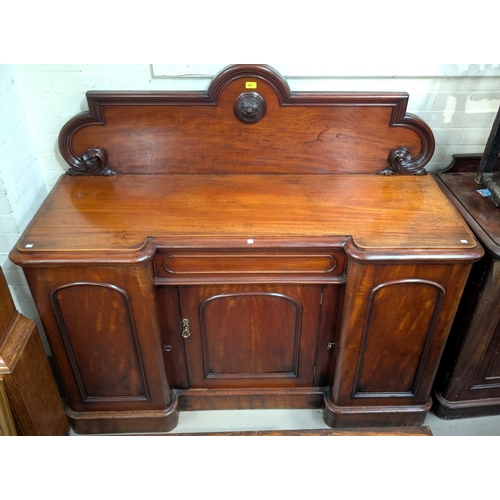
124, 422
7, 425
451, 410
28, 389
362, 431
147, 252
459, 164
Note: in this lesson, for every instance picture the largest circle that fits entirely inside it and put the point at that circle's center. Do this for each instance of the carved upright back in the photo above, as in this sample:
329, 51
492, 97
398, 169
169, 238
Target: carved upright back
247, 121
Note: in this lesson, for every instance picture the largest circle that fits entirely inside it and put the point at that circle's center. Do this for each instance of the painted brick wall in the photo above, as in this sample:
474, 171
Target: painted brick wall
22, 185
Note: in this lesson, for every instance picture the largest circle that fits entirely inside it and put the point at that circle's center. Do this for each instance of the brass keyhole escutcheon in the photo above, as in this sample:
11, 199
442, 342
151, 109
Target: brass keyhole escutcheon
185, 329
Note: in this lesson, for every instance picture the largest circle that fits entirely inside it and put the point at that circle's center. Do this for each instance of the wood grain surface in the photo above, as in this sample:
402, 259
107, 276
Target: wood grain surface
367, 431
102, 214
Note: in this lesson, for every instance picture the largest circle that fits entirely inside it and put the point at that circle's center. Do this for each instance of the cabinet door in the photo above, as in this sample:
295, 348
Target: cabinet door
396, 320
103, 329
256, 335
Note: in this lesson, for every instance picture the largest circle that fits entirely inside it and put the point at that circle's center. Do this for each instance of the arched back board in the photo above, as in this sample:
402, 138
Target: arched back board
247, 121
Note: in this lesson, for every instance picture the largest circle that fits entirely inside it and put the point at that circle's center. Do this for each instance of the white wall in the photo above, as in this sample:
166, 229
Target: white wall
459, 102
22, 185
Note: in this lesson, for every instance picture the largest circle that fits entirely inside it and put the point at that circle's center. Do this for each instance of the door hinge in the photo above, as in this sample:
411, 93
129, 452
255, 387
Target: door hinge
321, 299
314, 372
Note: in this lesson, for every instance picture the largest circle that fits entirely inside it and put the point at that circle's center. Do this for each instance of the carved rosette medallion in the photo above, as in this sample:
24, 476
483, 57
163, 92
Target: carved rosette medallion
250, 107
400, 163
93, 162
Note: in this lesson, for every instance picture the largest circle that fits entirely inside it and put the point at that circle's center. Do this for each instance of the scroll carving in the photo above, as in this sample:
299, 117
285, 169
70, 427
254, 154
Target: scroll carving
93, 162
250, 107
400, 163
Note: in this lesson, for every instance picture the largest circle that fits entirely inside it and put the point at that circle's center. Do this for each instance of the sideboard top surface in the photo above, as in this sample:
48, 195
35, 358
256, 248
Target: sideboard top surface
119, 213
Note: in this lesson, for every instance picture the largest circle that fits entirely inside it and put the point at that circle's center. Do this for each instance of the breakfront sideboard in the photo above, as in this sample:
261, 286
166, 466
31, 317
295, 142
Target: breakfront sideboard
246, 247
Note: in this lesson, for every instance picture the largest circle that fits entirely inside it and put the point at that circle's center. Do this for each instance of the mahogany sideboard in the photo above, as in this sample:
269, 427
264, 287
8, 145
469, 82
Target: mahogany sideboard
468, 380
246, 247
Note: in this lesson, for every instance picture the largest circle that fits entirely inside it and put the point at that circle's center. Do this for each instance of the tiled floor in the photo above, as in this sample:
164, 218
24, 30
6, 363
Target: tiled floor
243, 420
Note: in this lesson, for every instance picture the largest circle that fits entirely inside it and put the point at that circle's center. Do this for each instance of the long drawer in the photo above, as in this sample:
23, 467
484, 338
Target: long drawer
215, 265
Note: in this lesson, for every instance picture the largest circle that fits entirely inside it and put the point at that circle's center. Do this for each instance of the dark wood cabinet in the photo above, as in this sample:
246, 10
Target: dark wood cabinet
468, 382
246, 249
